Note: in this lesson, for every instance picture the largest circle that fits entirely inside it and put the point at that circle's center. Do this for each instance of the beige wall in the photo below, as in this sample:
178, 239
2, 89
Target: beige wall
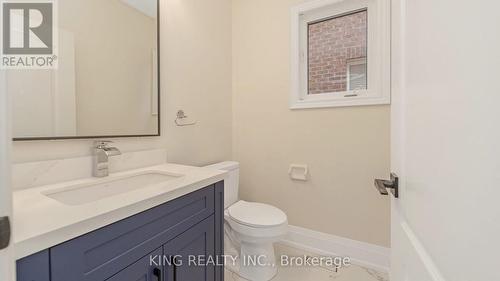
198, 80
345, 148
196, 76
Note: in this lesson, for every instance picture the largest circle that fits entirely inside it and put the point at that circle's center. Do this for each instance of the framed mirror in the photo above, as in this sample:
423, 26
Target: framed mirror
106, 83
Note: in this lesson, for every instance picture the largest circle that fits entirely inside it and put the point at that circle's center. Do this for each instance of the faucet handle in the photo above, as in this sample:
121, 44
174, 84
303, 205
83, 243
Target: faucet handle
99, 144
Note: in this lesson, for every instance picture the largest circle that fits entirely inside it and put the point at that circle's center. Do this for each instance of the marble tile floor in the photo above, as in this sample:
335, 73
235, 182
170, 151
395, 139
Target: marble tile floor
349, 273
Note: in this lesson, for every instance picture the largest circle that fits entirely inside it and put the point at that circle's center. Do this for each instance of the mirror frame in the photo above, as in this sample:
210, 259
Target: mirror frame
120, 136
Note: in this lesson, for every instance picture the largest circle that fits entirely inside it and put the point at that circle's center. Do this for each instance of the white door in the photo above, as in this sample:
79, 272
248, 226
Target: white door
446, 140
6, 261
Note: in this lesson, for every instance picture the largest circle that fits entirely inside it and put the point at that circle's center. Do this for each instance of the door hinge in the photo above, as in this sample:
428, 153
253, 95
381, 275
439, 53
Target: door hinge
393, 185
4, 232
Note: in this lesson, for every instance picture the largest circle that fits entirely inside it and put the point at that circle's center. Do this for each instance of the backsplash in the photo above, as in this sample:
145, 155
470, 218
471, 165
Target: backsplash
32, 174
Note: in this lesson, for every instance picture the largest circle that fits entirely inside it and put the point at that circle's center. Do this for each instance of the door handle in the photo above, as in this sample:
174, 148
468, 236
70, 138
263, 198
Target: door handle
4, 232
392, 184
157, 274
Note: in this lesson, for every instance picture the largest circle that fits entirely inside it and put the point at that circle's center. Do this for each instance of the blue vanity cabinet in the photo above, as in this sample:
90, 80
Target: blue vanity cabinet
191, 254
34, 268
219, 228
121, 251
142, 270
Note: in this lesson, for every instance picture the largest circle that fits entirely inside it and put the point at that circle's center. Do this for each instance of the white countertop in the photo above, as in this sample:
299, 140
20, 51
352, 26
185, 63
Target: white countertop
41, 222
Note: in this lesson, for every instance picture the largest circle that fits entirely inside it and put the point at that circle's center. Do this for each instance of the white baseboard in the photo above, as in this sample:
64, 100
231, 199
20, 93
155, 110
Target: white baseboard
360, 253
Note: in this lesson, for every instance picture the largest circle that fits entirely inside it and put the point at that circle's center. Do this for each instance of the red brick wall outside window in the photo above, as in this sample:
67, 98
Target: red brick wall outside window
332, 44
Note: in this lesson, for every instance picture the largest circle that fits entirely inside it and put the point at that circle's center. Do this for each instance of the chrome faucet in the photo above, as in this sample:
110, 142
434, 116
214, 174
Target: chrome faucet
102, 152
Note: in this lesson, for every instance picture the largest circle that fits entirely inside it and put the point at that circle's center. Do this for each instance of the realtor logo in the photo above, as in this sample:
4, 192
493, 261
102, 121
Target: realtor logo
28, 34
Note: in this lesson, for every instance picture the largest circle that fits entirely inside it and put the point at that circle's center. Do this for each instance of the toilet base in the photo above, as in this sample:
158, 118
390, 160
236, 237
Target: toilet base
257, 261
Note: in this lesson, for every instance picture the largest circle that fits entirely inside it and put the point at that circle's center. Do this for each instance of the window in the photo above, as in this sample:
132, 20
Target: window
340, 53
332, 45
356, 74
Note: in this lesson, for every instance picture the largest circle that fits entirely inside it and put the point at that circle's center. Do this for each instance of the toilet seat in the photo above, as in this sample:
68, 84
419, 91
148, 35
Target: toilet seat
256, 221
257, 215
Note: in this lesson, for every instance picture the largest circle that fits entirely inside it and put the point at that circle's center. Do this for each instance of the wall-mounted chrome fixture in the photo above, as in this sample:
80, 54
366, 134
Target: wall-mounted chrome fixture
181, 117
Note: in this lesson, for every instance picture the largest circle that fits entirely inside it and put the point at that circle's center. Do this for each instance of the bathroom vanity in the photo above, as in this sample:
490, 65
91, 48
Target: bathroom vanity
150, 234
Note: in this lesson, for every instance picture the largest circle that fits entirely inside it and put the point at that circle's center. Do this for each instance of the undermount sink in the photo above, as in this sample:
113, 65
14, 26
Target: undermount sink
89, 192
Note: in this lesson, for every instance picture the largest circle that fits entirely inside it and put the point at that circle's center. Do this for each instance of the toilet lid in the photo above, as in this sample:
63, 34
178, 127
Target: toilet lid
257, 214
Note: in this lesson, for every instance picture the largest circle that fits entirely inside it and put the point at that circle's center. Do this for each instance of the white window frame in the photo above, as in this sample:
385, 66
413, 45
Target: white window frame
358, 61
378, 53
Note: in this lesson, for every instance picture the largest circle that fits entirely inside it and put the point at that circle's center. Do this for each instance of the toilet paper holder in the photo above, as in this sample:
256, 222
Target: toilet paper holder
298, 172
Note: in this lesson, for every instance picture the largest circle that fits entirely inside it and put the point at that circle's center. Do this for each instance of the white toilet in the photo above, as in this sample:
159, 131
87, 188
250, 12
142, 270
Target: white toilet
251, 229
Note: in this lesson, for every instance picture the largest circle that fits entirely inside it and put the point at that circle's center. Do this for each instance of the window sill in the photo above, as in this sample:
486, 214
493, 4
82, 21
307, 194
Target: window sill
344, 102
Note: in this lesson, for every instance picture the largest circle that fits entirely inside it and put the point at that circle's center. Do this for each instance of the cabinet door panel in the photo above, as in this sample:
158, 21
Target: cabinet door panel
199, 241
142, 270
34, 268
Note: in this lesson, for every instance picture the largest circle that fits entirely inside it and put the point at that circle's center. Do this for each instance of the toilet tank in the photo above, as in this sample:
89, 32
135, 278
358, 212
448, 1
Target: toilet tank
231, 185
